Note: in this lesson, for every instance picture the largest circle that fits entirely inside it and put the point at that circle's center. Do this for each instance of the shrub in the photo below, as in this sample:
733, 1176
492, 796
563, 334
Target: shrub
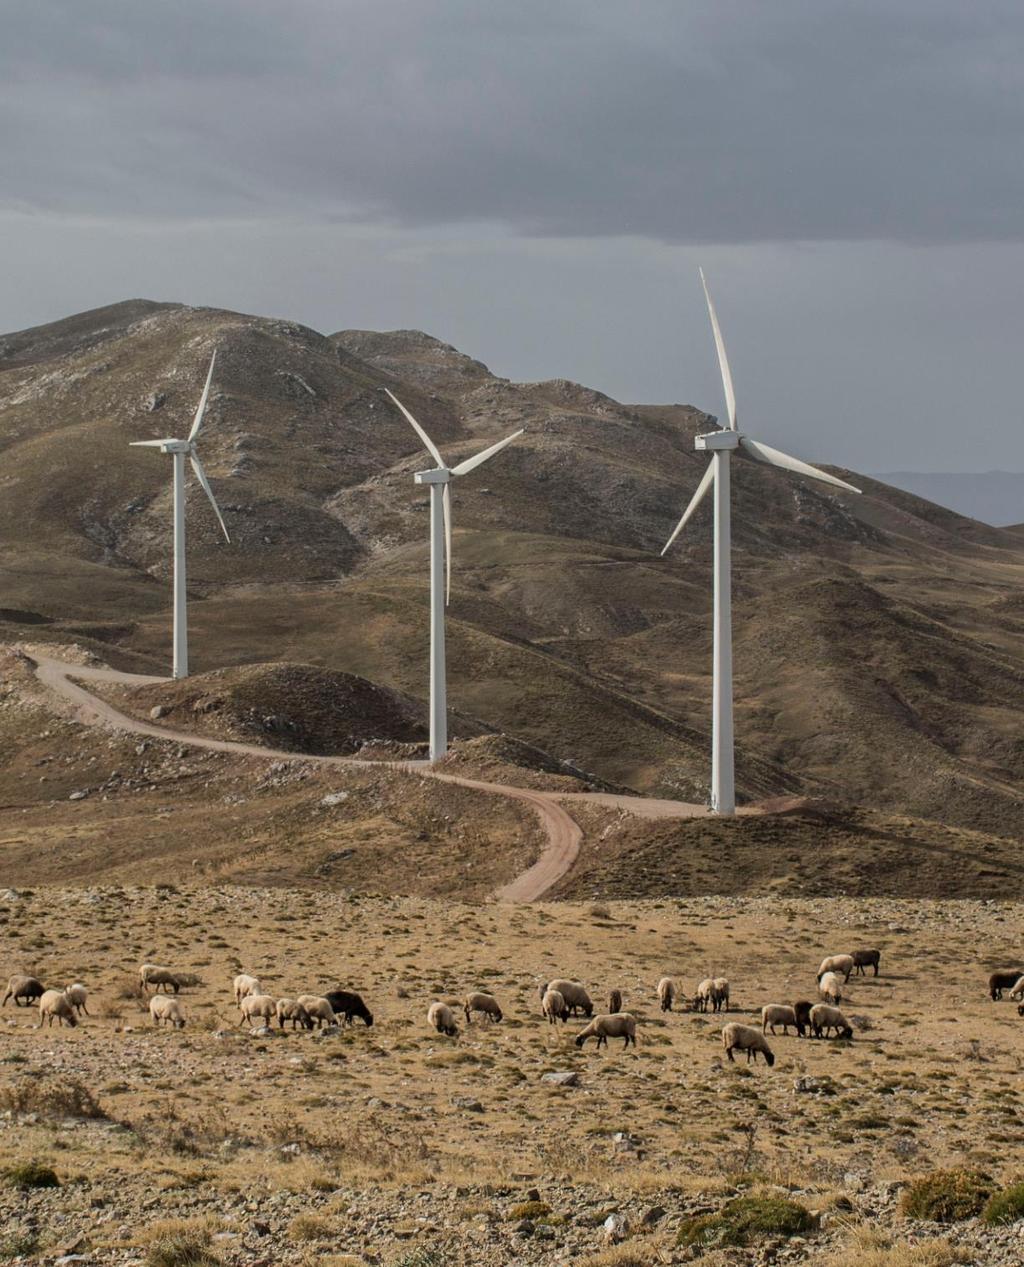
947, 1196
530, 1210
31, 1174
1005, 1206
745, 1220
311, 1227
180, 1244
65, 1097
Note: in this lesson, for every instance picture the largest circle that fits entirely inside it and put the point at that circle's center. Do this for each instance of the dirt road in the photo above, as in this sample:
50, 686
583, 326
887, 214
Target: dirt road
563, 832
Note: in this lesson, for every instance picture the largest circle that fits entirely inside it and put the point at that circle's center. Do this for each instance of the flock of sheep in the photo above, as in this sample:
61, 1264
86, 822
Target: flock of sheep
560, 999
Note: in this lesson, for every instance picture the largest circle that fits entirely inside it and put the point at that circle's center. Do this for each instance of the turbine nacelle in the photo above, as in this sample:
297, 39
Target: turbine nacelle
439, 475
715, 441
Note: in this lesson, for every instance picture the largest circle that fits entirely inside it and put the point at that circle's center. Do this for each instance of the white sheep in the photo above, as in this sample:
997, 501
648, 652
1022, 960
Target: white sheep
292, 1010
824, 1018
830, 987
620, 1025
773, 1014
746, 1038
245, 985
575, 996
837, 963
257, 1007
720, 994
164, 1009
666, 993
53, 1004
441, 1017
553, 1007
77, 996
480, 1002
1017, 991
318, 1009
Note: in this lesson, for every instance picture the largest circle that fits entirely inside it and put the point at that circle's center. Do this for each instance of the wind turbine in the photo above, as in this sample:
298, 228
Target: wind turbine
439, 478
721, 444
179, 450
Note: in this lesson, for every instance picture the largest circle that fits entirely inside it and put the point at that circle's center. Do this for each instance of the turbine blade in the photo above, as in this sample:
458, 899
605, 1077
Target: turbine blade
471, 464
201, 477
428, 444
197, 421
446, 501
149, 444
723, 360
695, 501
772, 457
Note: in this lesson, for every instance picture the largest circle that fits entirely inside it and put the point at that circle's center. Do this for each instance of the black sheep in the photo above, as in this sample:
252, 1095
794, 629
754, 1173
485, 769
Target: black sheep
350, 1005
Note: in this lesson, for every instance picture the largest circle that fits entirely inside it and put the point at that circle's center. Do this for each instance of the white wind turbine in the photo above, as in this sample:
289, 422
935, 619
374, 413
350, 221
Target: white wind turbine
720, 444
439, 478
179, 450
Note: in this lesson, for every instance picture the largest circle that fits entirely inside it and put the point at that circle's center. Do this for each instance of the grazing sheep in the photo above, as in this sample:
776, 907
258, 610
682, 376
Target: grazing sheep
257, 1007
837, 963
480, 1002
576, 998
77, 996
704, 994
245, 985
830, 987
824, 1018
720, 994
292, 1010
746, 1038
614, 1001
666, 993
150, 974
773, 1014
863, 958
1018, 990
442, 1018
348, 1004
553, 1007
621, 1025
163, 1009
27, 988
802, 1011
54, 1004
1003, 979
318, 1009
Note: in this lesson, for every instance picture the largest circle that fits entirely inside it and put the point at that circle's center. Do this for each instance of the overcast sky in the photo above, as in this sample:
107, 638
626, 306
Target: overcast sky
536, 182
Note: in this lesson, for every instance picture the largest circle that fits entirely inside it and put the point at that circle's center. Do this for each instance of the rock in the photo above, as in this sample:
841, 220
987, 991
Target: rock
614, 1229
77, 796
468, 1103
564, 1078
543, 1232
810, 1086
154, 401
623, 1142
533, 1194
161, 710
334, 798
524, 1228
259, 1227
652, 1216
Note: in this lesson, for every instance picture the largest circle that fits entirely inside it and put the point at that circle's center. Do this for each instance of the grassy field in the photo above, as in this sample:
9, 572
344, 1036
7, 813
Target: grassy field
390, 1142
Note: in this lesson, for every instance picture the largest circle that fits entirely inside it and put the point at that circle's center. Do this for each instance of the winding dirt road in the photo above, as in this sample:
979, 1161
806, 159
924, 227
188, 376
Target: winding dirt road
563, 832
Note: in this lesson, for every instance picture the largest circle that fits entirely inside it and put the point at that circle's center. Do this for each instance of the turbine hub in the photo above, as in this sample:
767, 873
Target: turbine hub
717, 440
439, 475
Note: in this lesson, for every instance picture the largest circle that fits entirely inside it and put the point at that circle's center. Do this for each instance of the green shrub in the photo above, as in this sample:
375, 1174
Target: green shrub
947, 1196
746, 1220
529, 1210
1005, 1206
31, 1174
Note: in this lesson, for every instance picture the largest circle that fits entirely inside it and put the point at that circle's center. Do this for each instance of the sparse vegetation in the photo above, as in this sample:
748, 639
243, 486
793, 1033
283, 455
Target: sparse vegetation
52, 1098
180, 1243
947, 1196
31, 1174
745, 1220
1005, 1206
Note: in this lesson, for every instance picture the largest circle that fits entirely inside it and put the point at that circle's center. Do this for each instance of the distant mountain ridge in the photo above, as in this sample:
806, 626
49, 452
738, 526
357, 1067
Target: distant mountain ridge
991, 497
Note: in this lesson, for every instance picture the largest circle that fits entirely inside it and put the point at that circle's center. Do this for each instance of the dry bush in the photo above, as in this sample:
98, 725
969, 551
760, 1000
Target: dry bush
52, 1098
870, 1246
180, 1243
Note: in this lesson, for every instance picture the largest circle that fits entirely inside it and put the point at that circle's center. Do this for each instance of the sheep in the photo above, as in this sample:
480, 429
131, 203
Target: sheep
666, 993
553, 1007
292, 1010
244, 985
621, 1025
802, 1011
736, 1037
257, 1007
720, 995
480, 1002
1003, 979
837, 963
824, 1018
77, 996
27, 988
163, 1009
704, 995
575, 996
864, 958
830, 987
150, 974
318, 1009
614, 1002
1018, 990
442, 1018
773, 1014
54, 1003
348, 1004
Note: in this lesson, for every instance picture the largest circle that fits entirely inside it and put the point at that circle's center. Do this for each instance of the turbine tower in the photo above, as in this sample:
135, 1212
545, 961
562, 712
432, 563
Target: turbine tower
179, 450
721, 445
439, 479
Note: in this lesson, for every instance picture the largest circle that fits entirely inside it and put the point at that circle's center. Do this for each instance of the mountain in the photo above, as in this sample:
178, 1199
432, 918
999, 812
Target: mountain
877, 637
994, 497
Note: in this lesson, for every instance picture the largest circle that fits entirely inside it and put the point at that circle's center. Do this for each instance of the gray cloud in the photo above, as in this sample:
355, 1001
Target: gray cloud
709, 121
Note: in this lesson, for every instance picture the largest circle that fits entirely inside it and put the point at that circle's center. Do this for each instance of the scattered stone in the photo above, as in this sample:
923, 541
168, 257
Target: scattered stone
467, 1102
615, 1228
652, 1216
564, 1078
77, 796
161, 710
334, 798
524, 1228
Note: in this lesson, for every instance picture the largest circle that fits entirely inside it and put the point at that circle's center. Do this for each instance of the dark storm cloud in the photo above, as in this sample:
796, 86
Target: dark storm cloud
691, 122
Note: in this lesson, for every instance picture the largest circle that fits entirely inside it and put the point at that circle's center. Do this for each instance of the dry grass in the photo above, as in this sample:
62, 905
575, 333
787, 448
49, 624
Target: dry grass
870, 1246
